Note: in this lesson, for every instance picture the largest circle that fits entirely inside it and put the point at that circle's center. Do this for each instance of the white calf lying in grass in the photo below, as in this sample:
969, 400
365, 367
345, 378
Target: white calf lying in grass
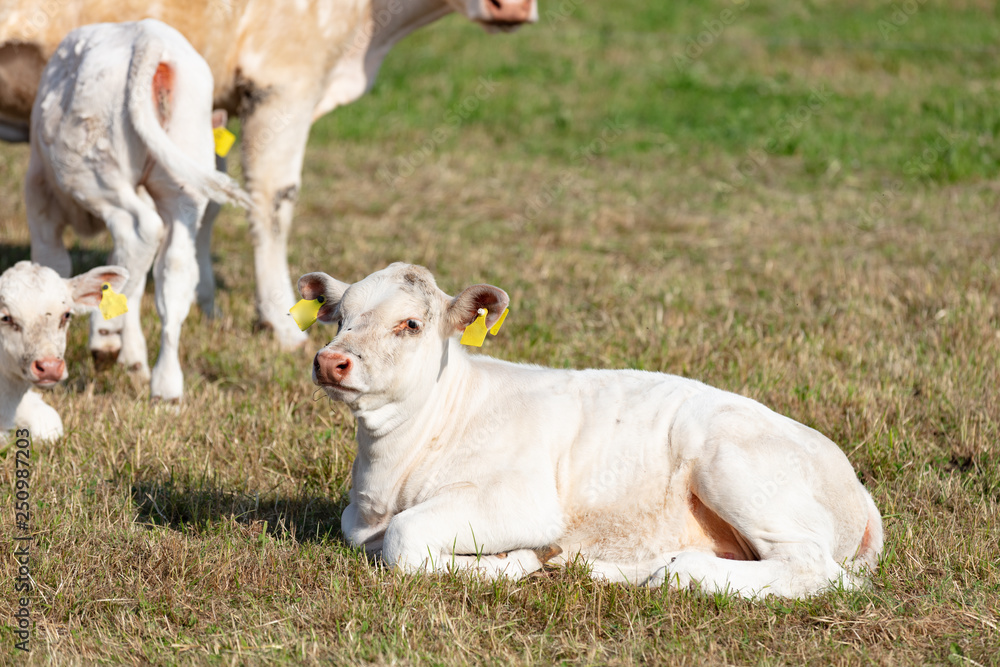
478, 463
119, 106
35, 309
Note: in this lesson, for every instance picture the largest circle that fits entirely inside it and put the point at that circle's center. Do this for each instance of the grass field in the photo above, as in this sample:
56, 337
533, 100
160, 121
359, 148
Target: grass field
805, 211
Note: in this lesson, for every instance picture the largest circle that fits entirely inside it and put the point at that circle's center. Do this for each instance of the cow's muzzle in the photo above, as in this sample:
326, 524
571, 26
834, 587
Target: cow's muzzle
509, 12
331, 367
48, 371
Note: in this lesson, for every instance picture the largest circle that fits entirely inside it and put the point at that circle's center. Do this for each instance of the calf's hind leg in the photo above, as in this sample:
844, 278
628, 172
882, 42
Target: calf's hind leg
781, 513
46, 221
203, 250
176, 274
137, 230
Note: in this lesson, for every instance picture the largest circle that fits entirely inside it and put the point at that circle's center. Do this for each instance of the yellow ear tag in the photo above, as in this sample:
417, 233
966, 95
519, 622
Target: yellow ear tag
475, 333
304, 312
113, 304
496, 327
224, 140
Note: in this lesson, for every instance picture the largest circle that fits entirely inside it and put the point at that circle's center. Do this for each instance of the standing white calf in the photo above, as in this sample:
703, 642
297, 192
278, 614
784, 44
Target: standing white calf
124, 105
35, 309
477, 463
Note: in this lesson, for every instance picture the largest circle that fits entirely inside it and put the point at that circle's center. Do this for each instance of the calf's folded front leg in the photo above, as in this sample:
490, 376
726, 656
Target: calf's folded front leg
456, 531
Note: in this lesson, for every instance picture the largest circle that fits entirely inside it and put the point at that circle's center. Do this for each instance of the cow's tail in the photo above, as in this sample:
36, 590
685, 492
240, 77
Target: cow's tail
150, 90
872, 540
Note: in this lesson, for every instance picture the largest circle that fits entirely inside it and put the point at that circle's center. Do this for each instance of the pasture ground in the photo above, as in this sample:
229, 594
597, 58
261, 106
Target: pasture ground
850, 279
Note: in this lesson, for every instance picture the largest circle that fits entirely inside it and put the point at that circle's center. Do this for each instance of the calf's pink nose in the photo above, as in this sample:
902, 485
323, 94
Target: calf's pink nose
331, 367
48, 370
509, 11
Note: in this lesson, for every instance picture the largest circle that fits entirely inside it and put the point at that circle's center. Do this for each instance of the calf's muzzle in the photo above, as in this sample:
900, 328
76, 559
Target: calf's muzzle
331, 367
48, 370
508, 11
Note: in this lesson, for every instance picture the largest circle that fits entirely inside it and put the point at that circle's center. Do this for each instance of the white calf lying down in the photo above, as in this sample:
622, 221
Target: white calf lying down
477, 463
123, 105
35, 309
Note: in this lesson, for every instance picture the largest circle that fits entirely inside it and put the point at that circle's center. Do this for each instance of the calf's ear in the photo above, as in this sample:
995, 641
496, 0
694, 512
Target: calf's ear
86, 288
464, 308
313, 285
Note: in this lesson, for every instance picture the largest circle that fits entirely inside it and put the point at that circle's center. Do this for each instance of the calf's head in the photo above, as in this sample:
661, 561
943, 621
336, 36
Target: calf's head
35, 308
394, 328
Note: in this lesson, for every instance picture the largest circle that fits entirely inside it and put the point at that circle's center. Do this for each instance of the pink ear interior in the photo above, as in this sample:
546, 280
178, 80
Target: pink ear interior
219, 118
317, 285
88, 289
311, 286
464, 308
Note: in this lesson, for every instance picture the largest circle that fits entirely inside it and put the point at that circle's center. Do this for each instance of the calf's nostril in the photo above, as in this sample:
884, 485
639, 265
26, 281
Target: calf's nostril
48, 369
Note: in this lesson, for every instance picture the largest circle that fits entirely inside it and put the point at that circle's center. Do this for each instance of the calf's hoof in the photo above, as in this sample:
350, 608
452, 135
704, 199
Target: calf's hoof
168, 405
104, 360
548, 552
260, 326
289, 339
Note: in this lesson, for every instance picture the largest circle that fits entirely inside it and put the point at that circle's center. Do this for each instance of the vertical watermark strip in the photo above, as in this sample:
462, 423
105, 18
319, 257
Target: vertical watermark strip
22, 539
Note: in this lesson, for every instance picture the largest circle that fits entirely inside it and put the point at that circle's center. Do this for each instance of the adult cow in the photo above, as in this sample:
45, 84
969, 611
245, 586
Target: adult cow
279, 65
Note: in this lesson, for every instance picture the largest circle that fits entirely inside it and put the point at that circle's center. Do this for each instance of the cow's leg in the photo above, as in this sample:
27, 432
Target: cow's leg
176, 275
46, 221
137, 229
804, 571
775, 507
38, 417
449, 530
512, 564
203, 241
203, 250
274, 142
635, 573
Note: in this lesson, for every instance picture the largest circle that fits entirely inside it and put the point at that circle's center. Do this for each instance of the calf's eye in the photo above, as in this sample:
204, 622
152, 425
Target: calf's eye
9, 321
67, 316
407, 327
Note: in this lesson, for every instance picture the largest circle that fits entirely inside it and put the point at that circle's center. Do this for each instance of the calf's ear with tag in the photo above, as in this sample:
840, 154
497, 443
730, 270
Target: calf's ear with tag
88, 288
464, 308
320, 296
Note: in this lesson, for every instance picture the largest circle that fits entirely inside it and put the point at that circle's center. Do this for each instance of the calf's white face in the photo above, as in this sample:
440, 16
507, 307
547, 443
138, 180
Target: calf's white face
35, 309
393, 334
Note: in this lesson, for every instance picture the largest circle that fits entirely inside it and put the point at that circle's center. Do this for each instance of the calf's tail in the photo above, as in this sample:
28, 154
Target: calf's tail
150, 92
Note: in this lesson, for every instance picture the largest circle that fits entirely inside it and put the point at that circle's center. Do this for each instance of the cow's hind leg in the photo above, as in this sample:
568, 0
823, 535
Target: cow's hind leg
778, 511
176, 276
137, 230
203, 249
794, 575
274, 142
46, 220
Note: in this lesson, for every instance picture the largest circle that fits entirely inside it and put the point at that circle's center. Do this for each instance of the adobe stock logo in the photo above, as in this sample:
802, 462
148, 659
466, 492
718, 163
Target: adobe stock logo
695, 47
